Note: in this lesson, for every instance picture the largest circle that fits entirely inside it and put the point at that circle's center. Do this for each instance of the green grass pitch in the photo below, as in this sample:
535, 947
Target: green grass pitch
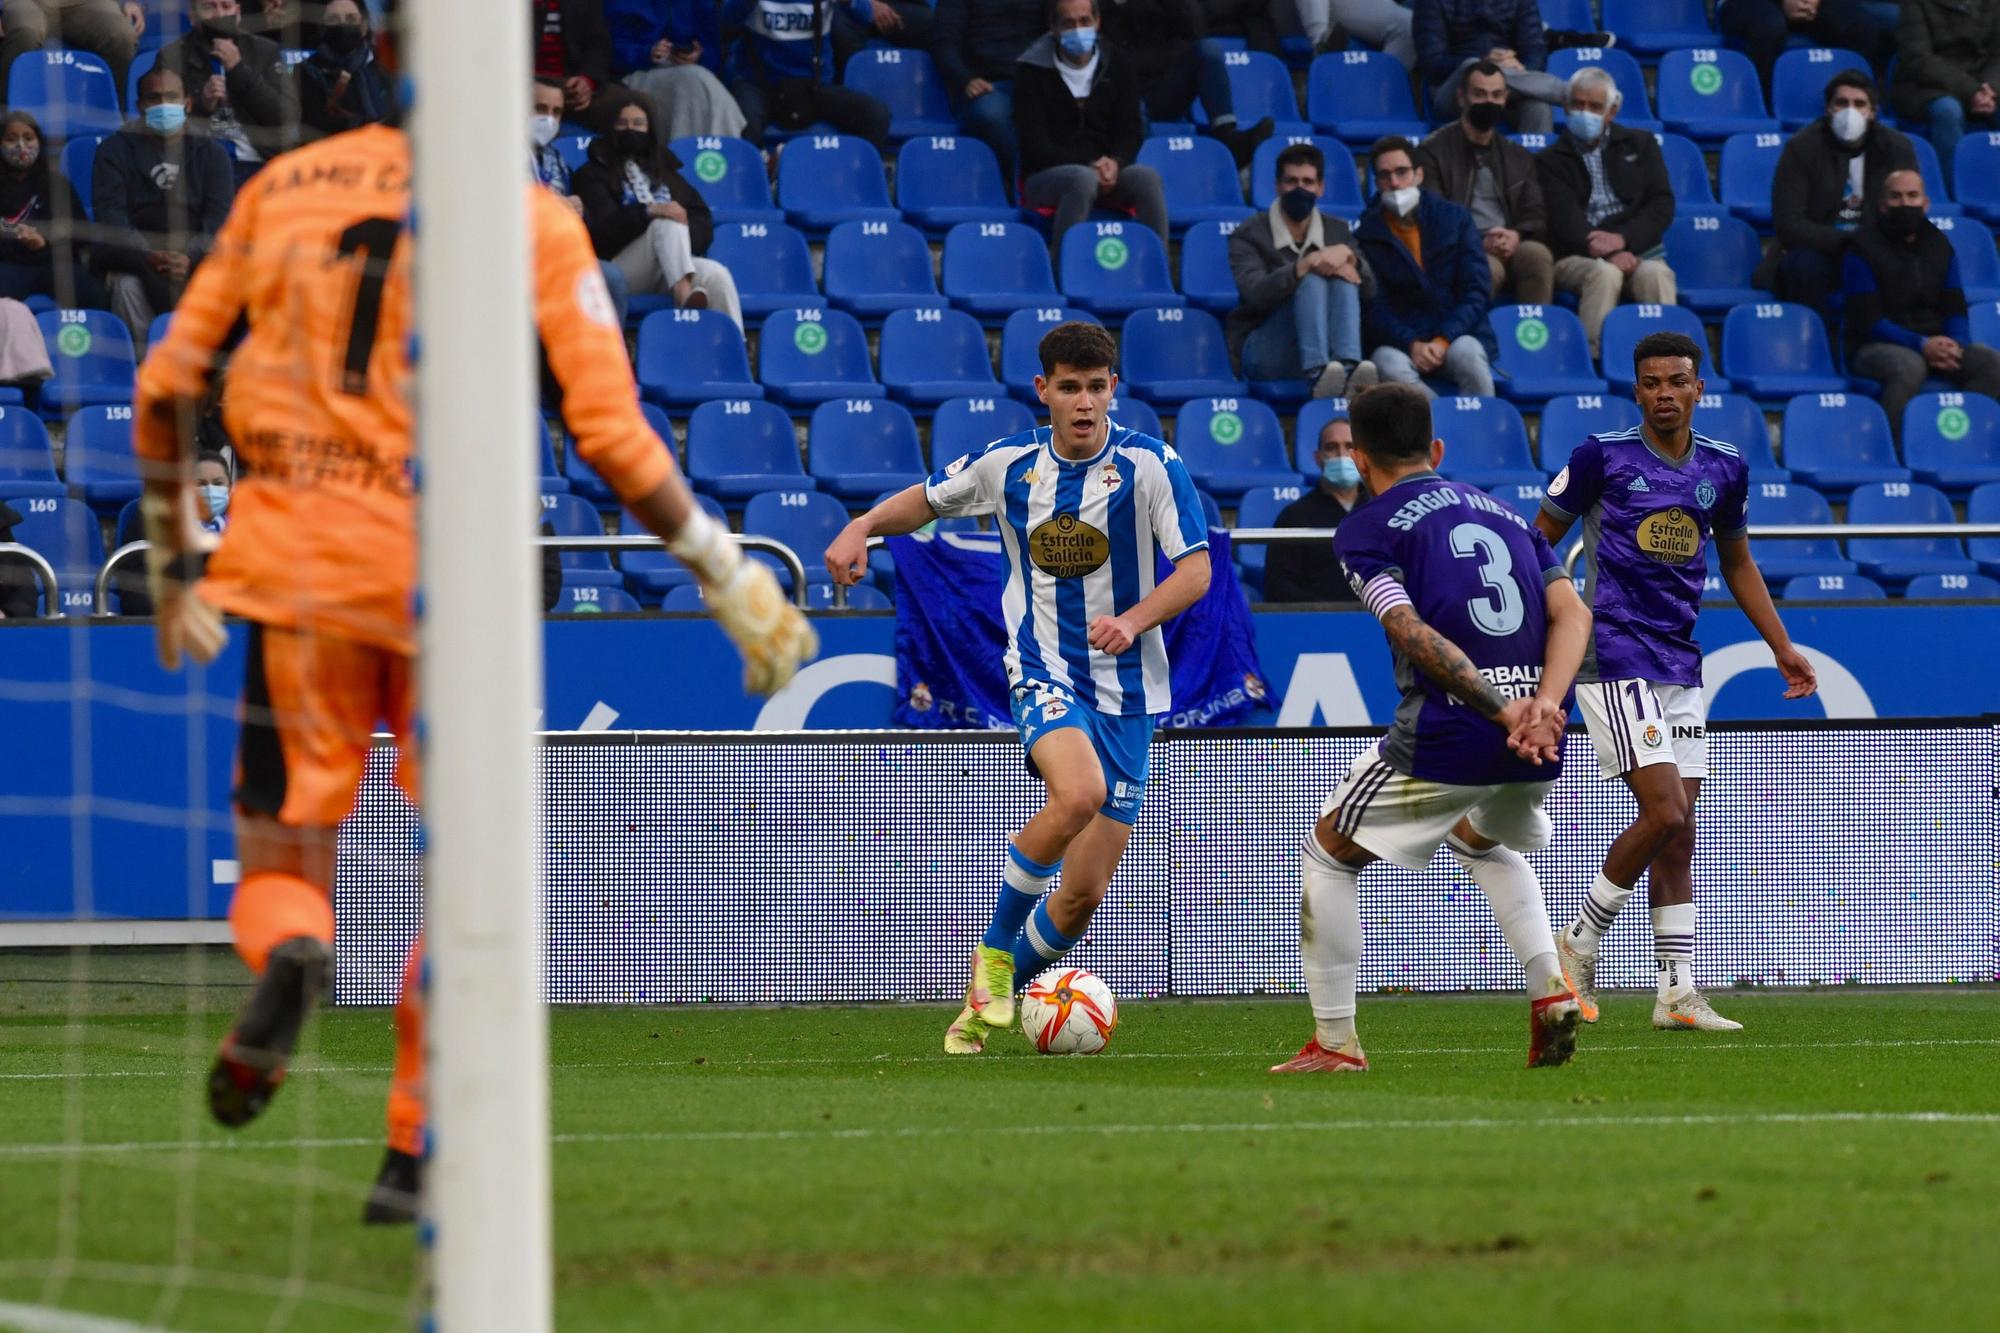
1834, 1166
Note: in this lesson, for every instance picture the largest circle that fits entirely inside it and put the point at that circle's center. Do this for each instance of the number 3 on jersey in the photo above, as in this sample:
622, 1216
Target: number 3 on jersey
1473, 541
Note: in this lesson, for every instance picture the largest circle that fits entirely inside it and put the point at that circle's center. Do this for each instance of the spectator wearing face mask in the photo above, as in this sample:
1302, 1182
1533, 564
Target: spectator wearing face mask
1476, 167
237, 84
107, 28
211, 489
340, 85
1308, 571
546, 162
41, 219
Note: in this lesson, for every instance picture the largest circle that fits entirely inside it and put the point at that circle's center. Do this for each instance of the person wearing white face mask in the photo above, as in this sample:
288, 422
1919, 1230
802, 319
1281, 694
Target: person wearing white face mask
1828, 181
1308, 571
211, 487
1610, 203
545, 160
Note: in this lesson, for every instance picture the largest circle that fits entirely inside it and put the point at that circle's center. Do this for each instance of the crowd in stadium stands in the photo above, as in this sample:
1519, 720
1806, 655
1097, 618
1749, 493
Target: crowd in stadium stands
865, 213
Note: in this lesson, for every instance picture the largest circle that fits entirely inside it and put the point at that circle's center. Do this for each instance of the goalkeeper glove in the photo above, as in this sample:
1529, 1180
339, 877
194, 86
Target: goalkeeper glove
772, 634
183, 622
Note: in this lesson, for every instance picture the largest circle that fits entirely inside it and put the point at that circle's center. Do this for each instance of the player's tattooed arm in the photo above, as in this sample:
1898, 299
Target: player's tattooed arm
1441, 659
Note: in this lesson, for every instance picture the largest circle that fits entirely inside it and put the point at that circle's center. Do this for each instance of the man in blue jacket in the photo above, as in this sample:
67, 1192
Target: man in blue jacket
1453, 35
785, 69
1428, 314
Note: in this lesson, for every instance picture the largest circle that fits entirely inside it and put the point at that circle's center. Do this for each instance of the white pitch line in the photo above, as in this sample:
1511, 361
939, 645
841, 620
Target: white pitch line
48, 1319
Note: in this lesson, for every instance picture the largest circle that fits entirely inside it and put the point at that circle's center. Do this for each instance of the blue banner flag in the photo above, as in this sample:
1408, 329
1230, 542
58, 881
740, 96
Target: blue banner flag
950, 640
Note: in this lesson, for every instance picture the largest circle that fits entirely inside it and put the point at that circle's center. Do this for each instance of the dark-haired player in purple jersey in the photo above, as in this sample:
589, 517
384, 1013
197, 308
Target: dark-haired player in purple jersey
1487, 633
1651, 499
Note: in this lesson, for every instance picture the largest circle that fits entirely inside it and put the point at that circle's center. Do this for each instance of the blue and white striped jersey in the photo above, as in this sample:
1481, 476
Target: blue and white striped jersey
1083, 540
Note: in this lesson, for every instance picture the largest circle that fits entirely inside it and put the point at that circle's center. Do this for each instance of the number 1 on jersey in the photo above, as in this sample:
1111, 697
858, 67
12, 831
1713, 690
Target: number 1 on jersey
374, 240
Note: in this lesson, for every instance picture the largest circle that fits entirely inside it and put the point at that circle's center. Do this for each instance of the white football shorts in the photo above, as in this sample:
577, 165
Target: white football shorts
1404, 819
1634, 723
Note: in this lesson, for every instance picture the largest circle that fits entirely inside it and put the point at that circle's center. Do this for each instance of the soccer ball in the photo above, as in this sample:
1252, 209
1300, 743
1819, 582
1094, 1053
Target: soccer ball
1069, 1012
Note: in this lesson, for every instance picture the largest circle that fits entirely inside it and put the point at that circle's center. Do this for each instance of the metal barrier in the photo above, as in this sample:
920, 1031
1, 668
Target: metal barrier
43, 570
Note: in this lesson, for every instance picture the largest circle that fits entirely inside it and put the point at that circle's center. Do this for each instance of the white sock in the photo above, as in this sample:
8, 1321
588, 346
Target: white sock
1510, 885
1329, 940
1601, 906
1673, 949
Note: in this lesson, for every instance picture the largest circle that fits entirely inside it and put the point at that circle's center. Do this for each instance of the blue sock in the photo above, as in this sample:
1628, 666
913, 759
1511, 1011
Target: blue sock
1022, 885
1041, 946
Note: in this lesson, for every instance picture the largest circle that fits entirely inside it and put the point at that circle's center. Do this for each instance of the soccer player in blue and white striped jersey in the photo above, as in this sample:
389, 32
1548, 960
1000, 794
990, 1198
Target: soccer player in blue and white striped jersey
1085, 508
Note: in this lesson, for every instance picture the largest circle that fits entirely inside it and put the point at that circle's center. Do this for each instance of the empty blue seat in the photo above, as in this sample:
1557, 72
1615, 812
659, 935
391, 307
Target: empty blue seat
1714, 261
1205, 277
738, 447
1199, 178
827, 179
731, 176
907, 83
860, 447
27, 458
771, 263
1627, 324
1653, 26
1978, 263
1832, 588
873, 268
1485, 443
1837, 441
931, 355
1894, 561
1020, 346
967, 425
649, 570
1259, 508
1566, 421
1736, 419
806, 521
809, 356
1798, 82
91, 351
68, 92
1687, 173
1774, 350
1951, 587
583, 479
1567, 16
66, 534
572, 516
79, 164
1115, 267
1136, 414
1312, 417
1343, 183
1976, 172
1523, 497
1543, 353
1173, 355
1712, 93
1782, 559
1749, 165
860, 597
1932, 170
577, 599
948, 179
1983, 506
1359, 96
1232, 445
691, 356
98, 460
1636, 111
684, 597
995, 268
1952, 440
1985, 319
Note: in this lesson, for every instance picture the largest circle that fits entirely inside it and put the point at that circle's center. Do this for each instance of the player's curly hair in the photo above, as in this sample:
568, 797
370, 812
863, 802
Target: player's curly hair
1666, 344
1078, 345
1391, 422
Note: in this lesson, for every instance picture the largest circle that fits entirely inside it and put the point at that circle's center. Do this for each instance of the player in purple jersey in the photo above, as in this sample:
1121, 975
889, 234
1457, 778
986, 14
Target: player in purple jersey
1487, 632
1651, 499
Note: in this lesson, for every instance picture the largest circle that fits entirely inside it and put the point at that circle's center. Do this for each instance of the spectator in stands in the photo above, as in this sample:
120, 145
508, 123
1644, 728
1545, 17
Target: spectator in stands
242, 93
211, 489
20, 585
645, 217
160, 191
1828, 181
1762, 27
107, 28
1906, 316
1162, 39
1470, 163
341, 87
1300, 280
975, 44
572, 44
550, 170
1432, 287
902, 23
1610, 204
1383, 24
41, 222
1454, 35
1076, 110
1948, 69
785, 74
284, 22
1307, 571
670, 50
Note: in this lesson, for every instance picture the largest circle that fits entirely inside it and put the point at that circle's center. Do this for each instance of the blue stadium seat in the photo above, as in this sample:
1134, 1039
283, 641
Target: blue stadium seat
1485, 443
1952, 440
931, 355
731, 176
595, 600
806, 521
1359, 96
1687, 172
1837, 441
1952, 587
1798, 82
966, 425
91, 351
873, 268
1977, 174
860, 597
650, 571
1932, 171
908, 84
571, 516
1543, 353
98, 462
67, 92
27, 458
809, 356
1567, 420
1020, 346
1232, 445
1567, 16
771, 263
1830, 587
1781, 559
1636, 112
1627, 324
1894, 561
1260, 85
949, 179
583, 478
1749, 164
1524, 498
1978, 263
1136, 414
738, 447
574, 149
1199, 176
995, 268
1173, 355
1116, 267
1774, 350
684, 597
1736, 419
1714, 261
79, 164
691, 356
1205, 277
1343, 196
1712, 93
552, 476
1651, 27
827, 179
1985, 319
1312, 417
1210, 510
1259, 508
1983, 506
860, 447
67, 535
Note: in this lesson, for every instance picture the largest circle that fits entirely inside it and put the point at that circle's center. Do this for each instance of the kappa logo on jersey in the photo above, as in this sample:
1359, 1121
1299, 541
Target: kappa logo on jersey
1669, 536
1066, 547
1638, 484
1651, 736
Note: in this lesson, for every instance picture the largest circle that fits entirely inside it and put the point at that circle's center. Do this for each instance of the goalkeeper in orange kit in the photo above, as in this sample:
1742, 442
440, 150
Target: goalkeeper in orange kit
320, 556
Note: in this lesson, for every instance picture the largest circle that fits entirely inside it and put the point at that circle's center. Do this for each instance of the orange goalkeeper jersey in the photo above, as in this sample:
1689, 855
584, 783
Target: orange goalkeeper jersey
315, 256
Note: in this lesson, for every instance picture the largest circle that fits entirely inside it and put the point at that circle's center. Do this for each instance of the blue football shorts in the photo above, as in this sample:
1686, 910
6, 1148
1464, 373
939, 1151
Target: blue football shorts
1123, 744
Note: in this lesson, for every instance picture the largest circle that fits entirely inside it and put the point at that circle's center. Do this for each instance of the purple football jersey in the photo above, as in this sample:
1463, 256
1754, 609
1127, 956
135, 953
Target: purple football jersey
1647, 520
1474, 571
